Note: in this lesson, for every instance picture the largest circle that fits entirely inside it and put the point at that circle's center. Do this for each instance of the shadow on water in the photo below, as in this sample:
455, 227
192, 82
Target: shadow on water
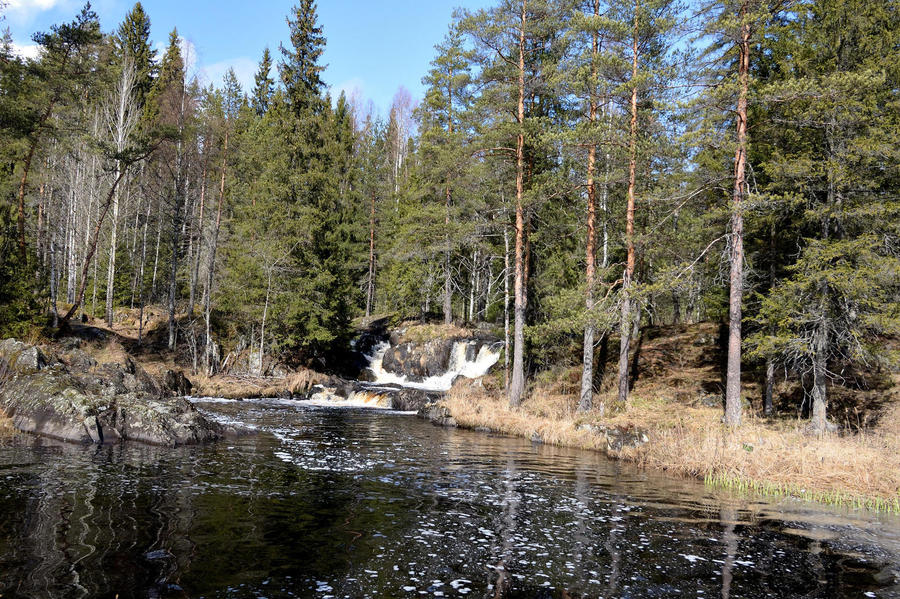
353, 503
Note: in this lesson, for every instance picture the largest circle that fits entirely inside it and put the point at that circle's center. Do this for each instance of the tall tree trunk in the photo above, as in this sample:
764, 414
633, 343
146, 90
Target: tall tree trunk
586, 398
156, 252
40, 224
506, 308
473, 285
604, 202
448, 291
173, 262
769, 396
53, 282
517, 385
370, 294
141, 275
93, 247
23, 182
195, 271
818, 423
111, 268
733, 369
768, 399
625, 325
212, 257
262, 330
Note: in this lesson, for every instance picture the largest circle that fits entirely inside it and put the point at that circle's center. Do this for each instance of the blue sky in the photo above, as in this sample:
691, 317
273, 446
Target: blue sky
373, 45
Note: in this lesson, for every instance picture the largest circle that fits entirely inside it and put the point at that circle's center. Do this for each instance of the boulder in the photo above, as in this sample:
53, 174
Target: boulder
413, 400
177, 383
78, 360
22, 358
106, 404
438, 415
617, 438
419, 361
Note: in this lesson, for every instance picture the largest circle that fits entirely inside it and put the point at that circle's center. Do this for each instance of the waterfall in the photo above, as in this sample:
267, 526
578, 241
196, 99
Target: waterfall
366, 398
460, 365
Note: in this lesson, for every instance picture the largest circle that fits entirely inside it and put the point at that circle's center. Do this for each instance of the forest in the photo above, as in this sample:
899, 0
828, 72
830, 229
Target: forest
577, 170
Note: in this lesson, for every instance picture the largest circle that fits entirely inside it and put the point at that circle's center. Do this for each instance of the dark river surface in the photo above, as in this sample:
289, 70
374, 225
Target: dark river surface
326, 502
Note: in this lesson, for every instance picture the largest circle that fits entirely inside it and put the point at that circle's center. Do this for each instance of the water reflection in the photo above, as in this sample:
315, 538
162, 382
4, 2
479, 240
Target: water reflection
351, 503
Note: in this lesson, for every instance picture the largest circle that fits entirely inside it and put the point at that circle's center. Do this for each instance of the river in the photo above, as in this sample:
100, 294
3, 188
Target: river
325, 502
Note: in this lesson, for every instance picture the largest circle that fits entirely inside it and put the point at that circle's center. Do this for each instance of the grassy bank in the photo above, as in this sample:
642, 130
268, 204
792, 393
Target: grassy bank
234, 387
773, 457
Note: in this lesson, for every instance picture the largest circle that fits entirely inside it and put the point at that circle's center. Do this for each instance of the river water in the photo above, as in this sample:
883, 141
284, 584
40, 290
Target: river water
325, 502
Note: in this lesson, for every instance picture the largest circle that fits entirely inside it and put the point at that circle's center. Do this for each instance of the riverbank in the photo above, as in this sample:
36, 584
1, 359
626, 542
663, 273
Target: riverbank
772, 457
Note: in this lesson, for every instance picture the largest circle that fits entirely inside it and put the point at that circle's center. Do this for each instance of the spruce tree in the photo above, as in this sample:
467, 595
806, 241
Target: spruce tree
832, 160
300, 66
132, 42
264, 85
443, 133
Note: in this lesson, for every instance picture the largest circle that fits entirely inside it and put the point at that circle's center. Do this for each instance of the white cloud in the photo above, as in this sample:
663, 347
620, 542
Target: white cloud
188, 53
26, 50
24, 11
244, 69
32, 5
351, 87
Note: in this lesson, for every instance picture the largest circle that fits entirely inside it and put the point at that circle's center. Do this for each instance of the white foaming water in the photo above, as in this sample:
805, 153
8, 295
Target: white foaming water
359, 399
459, 366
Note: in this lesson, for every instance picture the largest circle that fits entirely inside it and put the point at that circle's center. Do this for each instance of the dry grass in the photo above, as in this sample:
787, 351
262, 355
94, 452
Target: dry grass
769, 457
7, 432
230, 387
107, 352
544, 416
420, 333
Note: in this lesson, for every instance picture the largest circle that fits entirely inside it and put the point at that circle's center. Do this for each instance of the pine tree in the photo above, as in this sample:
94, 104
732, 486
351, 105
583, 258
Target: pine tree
511, 40
65, 63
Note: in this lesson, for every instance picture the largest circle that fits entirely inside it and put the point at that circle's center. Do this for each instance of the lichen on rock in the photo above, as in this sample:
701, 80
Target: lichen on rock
76, 400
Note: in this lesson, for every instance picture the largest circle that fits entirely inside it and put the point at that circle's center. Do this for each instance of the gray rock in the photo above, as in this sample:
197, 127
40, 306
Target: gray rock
111, 404
616, 438
177, 383
78, 360
417, 361
22, 357
438, 415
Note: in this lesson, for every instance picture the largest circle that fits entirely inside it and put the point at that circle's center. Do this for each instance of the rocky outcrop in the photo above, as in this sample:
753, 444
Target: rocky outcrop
617, 438
177, 383
437, 414
418, 361
74, 399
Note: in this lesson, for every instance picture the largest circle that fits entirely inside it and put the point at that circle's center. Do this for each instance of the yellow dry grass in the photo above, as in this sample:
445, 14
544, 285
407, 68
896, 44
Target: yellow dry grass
7, 432
107, 352
230, 387
420, 333
771, 457
546, 416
